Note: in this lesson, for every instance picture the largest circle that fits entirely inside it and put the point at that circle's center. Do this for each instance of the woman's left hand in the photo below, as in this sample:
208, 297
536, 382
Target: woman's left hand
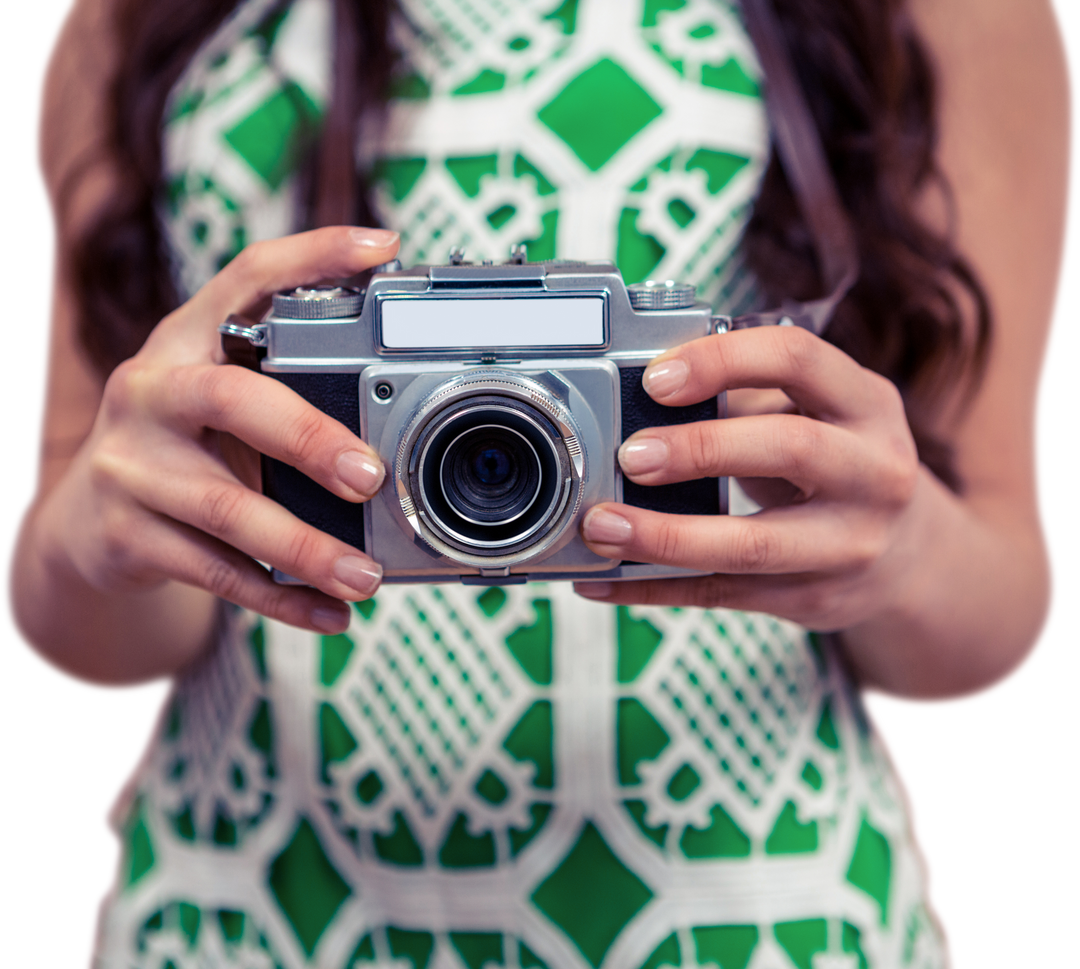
836, 534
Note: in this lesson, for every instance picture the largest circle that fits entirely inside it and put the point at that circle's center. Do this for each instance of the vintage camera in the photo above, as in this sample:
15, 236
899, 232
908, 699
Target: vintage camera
497, 396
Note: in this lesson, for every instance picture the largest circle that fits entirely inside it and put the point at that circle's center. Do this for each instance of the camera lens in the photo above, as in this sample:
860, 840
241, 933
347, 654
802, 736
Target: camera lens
491, 464
490, 469
489, 473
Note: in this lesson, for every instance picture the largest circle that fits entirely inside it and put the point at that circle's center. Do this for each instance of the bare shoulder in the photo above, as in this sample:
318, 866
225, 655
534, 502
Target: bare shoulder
72, 174
971, 25
1001, 60
1004, 145
1004, 142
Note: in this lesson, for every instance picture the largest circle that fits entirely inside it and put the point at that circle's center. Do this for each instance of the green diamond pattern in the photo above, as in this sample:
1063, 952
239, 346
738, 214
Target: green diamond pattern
871, 866
272, 138
138, 849
803, 940
790, 836
307, 886
637, 641
728, 946
456, 698
599, 111
592, 895
416, 947
335, 654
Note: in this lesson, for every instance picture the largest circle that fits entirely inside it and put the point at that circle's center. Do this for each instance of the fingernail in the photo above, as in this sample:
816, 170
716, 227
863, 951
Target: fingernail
640, 455
606, 528
373, 238
359, 574
664, 379
360, 472
594, 590
330, 619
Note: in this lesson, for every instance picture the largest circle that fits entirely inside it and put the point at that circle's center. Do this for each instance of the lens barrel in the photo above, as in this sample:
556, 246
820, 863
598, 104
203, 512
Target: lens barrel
491, 470
490, 474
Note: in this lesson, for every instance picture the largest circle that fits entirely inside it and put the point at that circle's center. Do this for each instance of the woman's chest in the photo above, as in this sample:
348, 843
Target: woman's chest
631, 131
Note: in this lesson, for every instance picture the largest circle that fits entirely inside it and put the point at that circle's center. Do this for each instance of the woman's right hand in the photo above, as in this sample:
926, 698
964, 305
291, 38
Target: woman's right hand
156, 492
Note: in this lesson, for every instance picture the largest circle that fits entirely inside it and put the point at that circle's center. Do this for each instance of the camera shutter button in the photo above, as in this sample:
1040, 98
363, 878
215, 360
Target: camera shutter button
661, 295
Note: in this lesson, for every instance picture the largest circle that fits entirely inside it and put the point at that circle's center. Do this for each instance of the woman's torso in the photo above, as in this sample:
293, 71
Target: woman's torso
509, 776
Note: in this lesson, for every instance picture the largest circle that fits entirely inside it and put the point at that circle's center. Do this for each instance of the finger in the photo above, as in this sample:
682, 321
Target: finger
264, 268
810, 600
751, 401
817, 457
821, 379
747, 593
770, 492
194, 558
275, 421
209, 499
823, 537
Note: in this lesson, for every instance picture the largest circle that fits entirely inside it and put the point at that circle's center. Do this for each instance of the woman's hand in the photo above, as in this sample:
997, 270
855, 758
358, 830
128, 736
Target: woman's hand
936, 593
161, 490
831, 547
152, 496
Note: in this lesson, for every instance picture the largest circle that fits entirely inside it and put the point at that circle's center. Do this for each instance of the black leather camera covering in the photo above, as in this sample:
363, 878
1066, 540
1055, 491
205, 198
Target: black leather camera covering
639, 410
336, 394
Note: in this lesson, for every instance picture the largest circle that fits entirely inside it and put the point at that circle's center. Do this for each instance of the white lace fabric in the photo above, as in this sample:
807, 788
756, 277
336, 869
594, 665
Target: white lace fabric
509, 776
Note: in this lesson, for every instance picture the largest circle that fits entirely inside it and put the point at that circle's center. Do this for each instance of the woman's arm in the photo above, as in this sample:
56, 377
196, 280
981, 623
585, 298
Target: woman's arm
937, 593
1004, 106
142, 516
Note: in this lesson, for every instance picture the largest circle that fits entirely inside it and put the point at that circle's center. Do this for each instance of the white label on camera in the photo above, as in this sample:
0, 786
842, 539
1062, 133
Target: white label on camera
416, 324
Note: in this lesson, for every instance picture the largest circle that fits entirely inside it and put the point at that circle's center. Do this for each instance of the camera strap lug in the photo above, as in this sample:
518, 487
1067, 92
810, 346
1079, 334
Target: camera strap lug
257, 335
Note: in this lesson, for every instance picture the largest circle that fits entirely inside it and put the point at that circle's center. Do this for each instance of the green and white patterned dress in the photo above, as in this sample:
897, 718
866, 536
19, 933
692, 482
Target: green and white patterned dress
510, 777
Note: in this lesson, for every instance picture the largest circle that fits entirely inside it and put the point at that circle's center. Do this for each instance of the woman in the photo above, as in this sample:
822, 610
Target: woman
589, 819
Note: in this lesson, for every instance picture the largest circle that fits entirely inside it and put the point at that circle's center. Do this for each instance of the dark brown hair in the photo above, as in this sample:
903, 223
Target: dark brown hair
871, 89
120, 266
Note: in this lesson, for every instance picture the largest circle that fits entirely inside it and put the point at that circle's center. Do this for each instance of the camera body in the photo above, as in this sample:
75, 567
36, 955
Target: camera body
497, 396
